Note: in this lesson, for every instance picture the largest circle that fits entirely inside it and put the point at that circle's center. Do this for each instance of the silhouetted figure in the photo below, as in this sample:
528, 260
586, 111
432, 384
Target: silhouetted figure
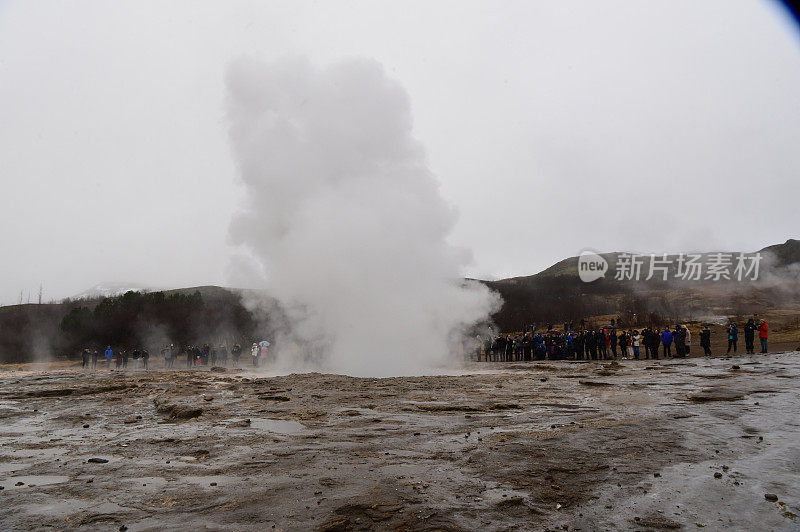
750, 336
705, 340
236, 352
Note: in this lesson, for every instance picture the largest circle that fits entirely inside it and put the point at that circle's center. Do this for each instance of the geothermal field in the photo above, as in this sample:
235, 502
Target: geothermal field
646, 445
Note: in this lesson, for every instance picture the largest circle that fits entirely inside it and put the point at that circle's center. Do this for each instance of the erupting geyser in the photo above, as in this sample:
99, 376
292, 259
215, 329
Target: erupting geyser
346, 220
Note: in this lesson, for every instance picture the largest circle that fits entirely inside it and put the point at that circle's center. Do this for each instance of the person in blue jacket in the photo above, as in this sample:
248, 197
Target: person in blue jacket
109, 355
538, 347
666, 340
733, 337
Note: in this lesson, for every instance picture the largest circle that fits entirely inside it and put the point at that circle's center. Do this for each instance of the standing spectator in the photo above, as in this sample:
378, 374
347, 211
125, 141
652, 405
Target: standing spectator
646, 341
109, 354
254, 354
145, 354
629, 343
85, 355
222, 353
666, 341
705, 340
750, 336
655, 341
579, 345
95, 356
591, 344
733, 337
680, 341
623, 345
539, 347
236, 352
613, 340
688, 340
637, 342
763, 332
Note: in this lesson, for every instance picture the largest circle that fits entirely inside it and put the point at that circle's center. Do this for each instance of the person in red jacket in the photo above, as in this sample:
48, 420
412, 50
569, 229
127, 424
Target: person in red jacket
763, 332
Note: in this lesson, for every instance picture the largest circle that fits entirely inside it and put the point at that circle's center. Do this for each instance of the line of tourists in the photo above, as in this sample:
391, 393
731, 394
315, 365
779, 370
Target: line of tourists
608, 343
195, 355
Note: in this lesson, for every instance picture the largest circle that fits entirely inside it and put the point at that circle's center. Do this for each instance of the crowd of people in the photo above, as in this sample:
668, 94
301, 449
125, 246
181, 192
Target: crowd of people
609, 343
195, 355
601, 343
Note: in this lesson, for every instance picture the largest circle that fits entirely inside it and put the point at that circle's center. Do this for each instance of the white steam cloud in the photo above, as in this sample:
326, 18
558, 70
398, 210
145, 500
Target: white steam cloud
346, 220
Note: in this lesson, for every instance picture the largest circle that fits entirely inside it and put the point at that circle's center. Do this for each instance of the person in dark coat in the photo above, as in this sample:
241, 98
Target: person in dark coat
623, 344
591, 345
499, 348
602, 344
527, 347
705, 340
680, 341
511, 348
613, 340
750, 336
655, 341
236, 352
578, 341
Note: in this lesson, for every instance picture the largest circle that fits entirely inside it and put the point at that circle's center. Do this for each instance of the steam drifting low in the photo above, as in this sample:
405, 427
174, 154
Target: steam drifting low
346, 221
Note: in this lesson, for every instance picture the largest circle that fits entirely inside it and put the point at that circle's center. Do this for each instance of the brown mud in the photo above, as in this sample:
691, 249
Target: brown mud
644, 445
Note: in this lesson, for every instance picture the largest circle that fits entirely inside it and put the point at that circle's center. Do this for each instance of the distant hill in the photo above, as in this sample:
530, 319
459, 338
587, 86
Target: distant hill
557, 293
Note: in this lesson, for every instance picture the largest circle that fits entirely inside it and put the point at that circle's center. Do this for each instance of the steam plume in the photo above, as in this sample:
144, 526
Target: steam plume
345, 218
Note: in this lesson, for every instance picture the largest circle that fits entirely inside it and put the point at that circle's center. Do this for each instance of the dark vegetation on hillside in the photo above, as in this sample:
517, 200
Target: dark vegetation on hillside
128, 321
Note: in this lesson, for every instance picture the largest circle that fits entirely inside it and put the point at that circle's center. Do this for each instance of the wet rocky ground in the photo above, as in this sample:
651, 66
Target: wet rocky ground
643, 445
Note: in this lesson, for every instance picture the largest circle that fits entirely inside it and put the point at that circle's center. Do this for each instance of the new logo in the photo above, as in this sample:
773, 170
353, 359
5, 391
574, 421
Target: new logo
591, 266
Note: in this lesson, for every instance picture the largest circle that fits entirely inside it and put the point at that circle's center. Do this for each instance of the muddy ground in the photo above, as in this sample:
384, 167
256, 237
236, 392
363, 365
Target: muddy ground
554, 445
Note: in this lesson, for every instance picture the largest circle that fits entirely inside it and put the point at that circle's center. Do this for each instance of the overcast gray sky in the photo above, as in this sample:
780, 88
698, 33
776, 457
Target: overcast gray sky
552, 126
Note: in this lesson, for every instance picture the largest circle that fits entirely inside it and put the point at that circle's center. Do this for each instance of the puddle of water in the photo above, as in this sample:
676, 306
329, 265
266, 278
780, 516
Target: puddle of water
281, 426
32, 481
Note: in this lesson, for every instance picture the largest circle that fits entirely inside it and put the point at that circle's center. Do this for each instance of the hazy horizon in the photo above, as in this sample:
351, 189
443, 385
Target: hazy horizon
550, 127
